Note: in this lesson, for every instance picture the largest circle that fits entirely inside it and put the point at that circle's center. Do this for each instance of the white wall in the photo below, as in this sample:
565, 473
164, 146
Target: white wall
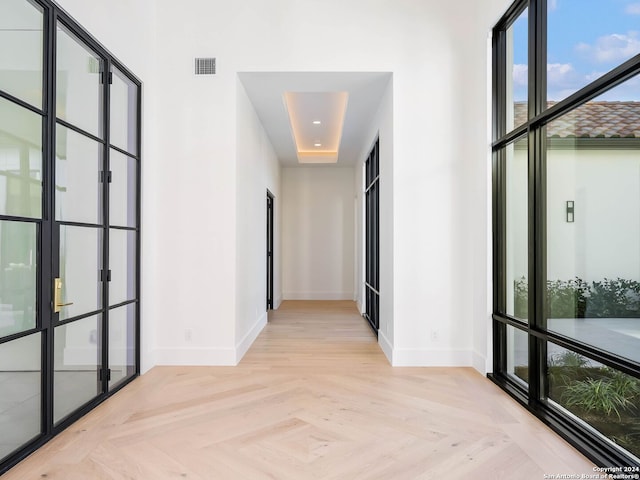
318, 233
602, 242
439, 209
257, 170
472, 292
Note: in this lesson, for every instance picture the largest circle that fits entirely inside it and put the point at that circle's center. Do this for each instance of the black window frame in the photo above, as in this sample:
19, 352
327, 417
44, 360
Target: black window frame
534, 395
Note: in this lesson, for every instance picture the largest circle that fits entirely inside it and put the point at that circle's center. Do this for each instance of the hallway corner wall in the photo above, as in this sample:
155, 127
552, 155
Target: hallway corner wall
257, 169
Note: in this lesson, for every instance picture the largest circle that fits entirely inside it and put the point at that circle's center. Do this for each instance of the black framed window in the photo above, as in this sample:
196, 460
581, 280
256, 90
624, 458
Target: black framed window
69, 225
566, 220
372, 237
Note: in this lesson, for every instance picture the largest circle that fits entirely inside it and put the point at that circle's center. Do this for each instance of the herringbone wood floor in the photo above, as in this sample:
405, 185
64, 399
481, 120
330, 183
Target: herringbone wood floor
314, 398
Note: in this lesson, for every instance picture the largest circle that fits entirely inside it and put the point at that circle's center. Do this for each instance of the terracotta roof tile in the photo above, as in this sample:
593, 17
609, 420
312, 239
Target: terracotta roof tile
593, 119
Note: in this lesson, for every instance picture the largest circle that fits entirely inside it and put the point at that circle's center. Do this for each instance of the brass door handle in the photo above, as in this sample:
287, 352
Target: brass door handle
57, 296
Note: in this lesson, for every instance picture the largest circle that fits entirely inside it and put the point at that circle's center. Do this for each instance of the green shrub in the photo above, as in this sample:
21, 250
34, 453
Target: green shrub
567, 298
521, 298
576, 298
613, 392
617, 298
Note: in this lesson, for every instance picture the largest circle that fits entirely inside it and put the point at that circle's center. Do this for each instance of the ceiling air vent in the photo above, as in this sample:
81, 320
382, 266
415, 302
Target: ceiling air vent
205, 66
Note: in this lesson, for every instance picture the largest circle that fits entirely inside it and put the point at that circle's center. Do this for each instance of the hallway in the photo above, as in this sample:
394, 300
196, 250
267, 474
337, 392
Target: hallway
313, 398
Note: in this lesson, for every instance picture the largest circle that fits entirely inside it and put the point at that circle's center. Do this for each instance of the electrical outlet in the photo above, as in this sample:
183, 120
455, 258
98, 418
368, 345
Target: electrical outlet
188, 334
434, 335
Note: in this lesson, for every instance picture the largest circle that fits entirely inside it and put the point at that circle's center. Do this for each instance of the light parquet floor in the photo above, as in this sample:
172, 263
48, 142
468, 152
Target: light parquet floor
314, 398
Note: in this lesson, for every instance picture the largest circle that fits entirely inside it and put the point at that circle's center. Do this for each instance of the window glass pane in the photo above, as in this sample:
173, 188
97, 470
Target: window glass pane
21, 63
601, 396
123, 188
18, 253
593, 225
517, 229
76, 360
80, 266
122, 262
586, 39
78, 187
124, 113
20, 161
20, 392
78, 84
122, 340
517, 80
518, 354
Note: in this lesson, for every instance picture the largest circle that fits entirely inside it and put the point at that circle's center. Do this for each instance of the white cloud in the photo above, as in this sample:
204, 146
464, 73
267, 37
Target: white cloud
520, 75
611, 48
552, 5
560, 74
562, 80
633, 9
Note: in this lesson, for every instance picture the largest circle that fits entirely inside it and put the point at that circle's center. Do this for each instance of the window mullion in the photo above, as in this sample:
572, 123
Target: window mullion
537, 198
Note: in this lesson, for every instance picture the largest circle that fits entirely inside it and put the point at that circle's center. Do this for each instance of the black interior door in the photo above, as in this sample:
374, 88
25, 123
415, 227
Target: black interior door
270, 212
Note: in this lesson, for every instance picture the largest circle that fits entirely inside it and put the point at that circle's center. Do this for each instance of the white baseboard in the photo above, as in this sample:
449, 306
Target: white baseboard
200, 356
385, 346
317, 296
479, 362
197, 356
277, 302
410, 357
148, 360
243, 345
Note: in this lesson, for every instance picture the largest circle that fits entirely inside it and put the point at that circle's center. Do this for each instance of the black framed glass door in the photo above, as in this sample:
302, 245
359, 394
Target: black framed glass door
372, 237
69, 225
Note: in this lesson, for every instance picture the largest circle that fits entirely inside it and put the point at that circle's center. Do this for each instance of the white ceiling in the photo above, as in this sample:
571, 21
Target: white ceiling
266, 90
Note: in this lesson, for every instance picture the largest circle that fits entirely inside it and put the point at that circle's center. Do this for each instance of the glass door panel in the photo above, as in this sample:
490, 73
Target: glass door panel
80, 269
79, 88
124, 117
21, 64
20, 392
122, 341
122, 260
123, 187
78, 186
76, 363
18, 270
79, 190
20, 161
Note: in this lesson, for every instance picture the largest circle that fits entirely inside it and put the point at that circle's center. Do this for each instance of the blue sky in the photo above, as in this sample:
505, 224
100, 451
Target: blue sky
586, 39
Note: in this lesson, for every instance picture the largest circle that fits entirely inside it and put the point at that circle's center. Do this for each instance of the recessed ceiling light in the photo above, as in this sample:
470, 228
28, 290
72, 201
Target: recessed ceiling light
316, 140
